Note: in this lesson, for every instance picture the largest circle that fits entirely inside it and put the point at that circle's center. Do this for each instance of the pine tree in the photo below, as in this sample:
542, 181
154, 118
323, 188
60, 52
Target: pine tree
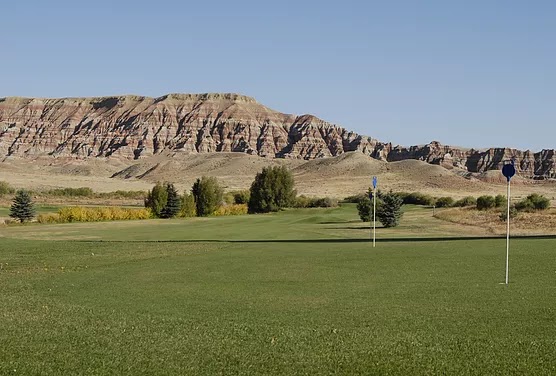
173, 202
390, 210
22, 207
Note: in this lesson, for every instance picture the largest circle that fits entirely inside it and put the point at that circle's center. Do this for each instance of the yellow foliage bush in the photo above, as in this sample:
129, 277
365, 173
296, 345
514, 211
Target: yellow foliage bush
94, 214
48, 218
234, 209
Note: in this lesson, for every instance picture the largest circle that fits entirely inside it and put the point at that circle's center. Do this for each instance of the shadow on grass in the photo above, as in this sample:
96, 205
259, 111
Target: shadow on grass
349, 228
330, 240
338, 222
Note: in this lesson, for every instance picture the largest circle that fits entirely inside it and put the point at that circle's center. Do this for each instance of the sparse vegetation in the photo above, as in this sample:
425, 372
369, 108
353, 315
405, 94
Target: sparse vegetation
466, 201
444, 202
6, 188
500, 200
121, 194
533, 202
315, 202
513, 214
71, 192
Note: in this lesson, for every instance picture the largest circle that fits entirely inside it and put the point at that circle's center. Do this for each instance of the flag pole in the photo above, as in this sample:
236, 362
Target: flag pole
508, 170
374, 216
508, 236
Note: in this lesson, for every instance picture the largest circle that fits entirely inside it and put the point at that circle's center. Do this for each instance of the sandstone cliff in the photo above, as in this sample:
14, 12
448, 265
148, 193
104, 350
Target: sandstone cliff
131, 127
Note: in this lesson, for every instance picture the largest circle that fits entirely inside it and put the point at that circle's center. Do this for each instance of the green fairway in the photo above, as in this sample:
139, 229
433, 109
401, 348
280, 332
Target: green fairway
299, 292
40, 209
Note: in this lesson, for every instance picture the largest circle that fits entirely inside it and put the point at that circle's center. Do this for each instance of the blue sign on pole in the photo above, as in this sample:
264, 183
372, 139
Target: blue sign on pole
374, 182
508, 170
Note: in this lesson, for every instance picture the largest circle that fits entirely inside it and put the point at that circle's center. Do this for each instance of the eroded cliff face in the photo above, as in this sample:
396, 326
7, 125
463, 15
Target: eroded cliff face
132, 127
526, 162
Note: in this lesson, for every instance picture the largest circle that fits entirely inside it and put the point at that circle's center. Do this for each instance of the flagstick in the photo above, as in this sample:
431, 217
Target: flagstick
508, 236
374, 217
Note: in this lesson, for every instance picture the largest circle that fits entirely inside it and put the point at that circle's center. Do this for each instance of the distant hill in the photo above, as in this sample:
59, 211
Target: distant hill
134, 127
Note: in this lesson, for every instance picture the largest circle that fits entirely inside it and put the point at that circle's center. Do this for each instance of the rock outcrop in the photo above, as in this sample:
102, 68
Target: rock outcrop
132, 127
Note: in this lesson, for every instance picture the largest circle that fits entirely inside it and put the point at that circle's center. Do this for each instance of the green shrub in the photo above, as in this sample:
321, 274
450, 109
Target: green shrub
315, 202
241, 197
533, 202
416, 198
485, 202
500, 200
302, 201
466, 201
354, 199
272, 190
208, 195
444, 202
236, 197
5, 188
325, 202
365, 209
156, 199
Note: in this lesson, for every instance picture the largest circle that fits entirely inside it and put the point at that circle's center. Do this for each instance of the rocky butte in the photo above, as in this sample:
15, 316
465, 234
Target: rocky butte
132, 127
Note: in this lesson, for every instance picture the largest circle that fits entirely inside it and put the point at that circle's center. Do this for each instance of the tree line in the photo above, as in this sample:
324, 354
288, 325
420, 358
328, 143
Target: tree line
272, 190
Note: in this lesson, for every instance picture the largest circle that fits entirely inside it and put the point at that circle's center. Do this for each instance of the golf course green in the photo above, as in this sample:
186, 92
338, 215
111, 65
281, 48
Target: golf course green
296, 292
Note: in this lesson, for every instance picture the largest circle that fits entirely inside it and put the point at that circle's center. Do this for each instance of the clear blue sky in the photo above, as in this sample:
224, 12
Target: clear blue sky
469, 73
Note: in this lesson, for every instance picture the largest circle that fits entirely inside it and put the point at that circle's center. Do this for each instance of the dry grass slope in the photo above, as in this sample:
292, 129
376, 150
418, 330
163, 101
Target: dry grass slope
339, 176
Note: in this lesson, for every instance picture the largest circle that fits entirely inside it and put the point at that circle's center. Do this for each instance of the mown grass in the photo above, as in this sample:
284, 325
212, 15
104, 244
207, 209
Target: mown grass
40, 209
300, 292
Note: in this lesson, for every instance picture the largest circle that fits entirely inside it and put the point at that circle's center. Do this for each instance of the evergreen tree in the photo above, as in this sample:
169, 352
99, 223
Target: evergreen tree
22, 207
365, 209
208, 195
173, 202
156, 199
390, 210
272, 190
365, 205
